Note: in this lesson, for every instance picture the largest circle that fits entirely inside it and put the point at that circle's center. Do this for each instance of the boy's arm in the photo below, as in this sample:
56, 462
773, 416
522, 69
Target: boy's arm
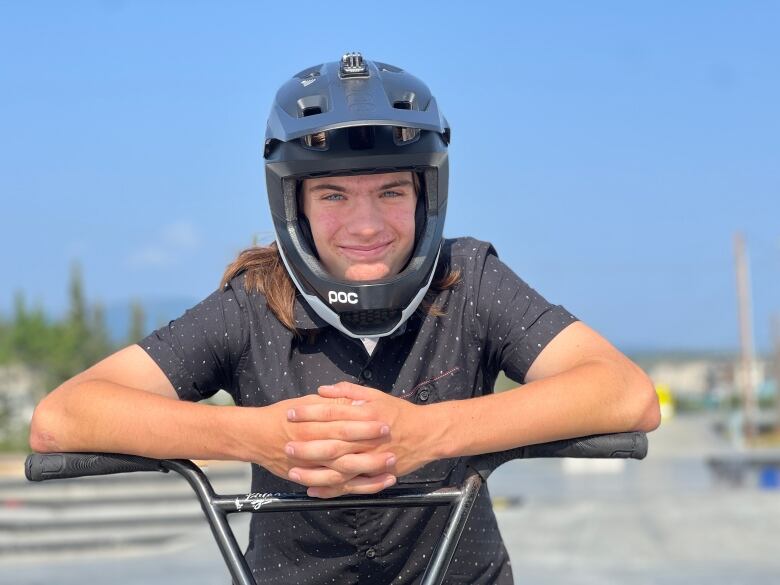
126, 404
579, 385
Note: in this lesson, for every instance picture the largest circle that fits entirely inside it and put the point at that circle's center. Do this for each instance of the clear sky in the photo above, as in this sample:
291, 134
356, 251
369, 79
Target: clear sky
609, 150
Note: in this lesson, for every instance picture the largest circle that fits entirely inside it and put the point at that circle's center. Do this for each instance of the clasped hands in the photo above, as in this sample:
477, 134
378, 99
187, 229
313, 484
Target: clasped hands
350, 439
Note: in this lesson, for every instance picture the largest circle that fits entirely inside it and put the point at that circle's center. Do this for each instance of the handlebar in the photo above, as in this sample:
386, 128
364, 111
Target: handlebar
46, 466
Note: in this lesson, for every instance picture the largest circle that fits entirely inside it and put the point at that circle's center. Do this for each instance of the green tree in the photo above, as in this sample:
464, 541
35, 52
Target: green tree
6, 345
52, 349
137, 322
98, 344
56, 349
77, 324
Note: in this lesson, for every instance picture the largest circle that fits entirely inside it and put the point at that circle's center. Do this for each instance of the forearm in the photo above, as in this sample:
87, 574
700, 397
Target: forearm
592, 398
101, 416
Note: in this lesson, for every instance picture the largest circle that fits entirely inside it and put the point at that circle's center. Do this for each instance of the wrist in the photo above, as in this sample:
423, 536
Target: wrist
234, 424
439, 422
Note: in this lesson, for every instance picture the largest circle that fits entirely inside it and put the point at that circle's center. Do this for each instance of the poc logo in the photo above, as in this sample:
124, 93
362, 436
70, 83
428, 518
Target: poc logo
342, 297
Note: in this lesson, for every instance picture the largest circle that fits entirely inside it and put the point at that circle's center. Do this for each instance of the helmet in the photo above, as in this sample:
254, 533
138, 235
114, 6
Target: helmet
349, 117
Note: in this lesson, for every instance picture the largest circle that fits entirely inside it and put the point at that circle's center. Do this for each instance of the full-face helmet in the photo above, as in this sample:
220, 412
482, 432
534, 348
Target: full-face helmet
349, 117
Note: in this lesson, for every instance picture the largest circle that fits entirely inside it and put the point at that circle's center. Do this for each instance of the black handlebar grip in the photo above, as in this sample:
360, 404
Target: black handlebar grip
614, 446
44, 466
611, 446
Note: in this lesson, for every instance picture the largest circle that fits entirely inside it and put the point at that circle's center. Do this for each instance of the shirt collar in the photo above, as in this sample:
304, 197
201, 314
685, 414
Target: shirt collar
305, 317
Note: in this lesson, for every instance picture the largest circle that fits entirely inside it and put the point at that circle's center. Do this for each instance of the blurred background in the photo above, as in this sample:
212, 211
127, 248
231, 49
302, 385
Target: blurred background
622, 157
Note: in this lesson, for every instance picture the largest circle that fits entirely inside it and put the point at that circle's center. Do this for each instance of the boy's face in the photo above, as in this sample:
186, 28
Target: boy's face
363, 225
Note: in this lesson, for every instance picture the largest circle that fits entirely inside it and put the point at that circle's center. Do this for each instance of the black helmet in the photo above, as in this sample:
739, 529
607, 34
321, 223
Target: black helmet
349, 117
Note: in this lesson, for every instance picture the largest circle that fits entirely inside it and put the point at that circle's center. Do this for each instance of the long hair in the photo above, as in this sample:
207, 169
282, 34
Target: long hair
264, 272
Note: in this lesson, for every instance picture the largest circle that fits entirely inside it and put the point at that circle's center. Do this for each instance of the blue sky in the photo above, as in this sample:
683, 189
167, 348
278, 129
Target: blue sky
608, 149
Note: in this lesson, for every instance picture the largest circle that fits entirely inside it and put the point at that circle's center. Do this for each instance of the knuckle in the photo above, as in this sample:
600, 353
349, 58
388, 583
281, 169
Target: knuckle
337, 465
331, 451
305, 433
346, 465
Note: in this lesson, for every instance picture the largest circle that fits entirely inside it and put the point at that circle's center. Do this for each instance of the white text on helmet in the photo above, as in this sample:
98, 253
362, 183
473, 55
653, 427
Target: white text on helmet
342, 297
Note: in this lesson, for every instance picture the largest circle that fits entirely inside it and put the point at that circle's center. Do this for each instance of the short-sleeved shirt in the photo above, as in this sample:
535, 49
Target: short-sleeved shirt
493, 321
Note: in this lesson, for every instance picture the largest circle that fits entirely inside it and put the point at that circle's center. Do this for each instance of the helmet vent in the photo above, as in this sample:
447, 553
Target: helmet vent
403, 135
361, 137
318, 140
364, 322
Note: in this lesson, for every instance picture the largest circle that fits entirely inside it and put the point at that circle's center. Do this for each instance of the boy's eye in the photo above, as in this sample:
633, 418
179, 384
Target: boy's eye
333, 197
391, 194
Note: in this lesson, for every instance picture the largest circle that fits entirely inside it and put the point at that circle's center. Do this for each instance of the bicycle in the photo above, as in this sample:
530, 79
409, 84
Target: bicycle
216, 507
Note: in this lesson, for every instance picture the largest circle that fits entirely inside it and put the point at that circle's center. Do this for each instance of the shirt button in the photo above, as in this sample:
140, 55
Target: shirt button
423, 395
371, 553
367, 374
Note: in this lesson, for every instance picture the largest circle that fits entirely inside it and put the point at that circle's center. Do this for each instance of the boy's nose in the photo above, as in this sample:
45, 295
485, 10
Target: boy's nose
366, 217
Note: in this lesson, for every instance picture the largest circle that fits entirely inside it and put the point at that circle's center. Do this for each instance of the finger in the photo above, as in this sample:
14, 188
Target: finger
342, 430
317, 476
367, 464
326, 449
348, 390
357, 485
329, 411
350, 467
315, 398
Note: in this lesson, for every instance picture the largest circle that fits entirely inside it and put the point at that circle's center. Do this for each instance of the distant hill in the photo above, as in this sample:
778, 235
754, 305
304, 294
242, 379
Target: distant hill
650, 357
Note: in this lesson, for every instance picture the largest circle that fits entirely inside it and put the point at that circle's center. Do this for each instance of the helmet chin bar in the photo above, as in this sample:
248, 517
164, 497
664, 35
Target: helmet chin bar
334, 319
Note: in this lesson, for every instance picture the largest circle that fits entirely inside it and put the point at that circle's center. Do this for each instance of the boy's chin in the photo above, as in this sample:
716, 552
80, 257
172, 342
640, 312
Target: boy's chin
363, 272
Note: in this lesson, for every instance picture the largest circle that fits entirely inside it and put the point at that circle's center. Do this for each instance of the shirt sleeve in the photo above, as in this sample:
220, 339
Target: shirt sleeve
516, 322
200, 351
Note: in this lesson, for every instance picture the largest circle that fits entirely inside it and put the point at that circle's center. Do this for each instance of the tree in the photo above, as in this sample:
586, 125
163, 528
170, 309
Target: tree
56, 349
49, 350
97, 342
137, 322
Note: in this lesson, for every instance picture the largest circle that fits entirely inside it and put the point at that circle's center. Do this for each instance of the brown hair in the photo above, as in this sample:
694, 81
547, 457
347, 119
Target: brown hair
264, 272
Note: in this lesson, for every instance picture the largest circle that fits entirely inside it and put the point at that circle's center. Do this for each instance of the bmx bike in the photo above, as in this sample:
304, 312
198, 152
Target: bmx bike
216, 507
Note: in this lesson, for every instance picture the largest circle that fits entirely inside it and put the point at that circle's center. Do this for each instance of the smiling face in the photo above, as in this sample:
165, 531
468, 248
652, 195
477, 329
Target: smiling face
363, 225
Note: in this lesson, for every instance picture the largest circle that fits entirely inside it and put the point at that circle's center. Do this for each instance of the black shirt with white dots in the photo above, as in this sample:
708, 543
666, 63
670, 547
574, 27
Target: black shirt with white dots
494, 321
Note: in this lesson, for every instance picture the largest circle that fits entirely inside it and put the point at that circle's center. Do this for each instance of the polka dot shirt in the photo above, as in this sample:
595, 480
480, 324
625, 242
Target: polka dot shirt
494, 321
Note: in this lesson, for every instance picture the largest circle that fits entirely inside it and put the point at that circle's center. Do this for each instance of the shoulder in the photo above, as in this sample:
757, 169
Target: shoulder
248, 298
236, 288
241, 294
468, 255
466, 247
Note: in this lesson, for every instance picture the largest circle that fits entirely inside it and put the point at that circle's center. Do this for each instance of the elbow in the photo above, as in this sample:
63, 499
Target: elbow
41, 439
43, 427
647, 411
